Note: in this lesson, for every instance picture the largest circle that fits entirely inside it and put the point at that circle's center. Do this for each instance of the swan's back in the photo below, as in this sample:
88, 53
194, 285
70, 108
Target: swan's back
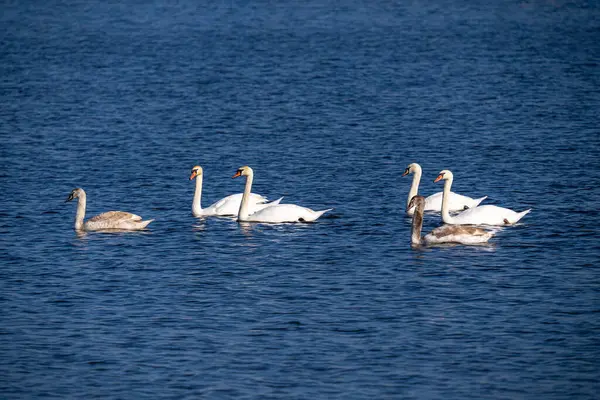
489, 215
116, 220
285, 213
113, 216
457, 234
457, 202
230, 205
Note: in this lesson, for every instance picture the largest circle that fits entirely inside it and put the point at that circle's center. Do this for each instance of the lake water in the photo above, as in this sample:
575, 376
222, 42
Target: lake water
328, 102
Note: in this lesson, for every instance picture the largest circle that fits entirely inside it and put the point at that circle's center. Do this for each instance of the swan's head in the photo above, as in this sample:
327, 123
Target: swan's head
75, 193
243, 171
197, 170
445, 174
418, 202
412, 168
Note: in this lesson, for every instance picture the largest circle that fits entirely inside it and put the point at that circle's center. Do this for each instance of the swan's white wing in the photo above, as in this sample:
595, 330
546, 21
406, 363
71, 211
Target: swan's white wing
230, 205
253, 208
285, 213
489, 215
457, 202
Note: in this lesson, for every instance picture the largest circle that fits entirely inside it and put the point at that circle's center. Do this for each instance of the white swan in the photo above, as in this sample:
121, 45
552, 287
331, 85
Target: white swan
486, 214
276, 213
444, 233
458, 202
108, 220
229, 205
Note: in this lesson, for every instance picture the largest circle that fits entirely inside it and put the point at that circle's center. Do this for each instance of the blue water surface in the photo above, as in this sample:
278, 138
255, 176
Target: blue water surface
328, 102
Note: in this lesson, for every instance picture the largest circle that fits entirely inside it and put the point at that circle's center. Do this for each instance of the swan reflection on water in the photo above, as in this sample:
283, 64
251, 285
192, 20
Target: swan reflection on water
248, 229
199, 225
81, 234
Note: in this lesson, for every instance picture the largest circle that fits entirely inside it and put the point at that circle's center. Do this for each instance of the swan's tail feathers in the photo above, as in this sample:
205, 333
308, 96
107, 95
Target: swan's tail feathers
521, 215
144, 224
319, 213
311, 216
478, 201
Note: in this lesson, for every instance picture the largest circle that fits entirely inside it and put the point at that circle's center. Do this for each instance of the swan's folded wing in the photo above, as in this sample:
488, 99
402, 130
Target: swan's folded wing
236, 199
457, 234
286, 213
458, 230
258, 198
278, 213
457, 202
115, 216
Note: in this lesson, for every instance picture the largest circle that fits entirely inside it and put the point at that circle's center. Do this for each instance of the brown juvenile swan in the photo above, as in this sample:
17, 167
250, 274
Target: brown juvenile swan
108, 220
444, 233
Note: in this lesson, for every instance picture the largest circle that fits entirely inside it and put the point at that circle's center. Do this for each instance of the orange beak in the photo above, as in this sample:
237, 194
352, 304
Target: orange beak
238, 173
405, 172
439, 178
193, 175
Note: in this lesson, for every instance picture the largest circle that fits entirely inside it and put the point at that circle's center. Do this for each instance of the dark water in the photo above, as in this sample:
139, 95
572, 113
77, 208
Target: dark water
328, 102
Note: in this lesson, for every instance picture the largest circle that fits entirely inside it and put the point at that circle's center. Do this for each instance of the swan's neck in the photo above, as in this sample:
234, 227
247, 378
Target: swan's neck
196, 207
417, 226
446, 202
414, 188
80, 212
243, 213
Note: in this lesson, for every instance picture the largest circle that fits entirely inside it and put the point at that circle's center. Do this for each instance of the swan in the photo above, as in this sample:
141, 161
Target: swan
486, 214
458, 202
444, 233
108, 220
276, 213
229, 205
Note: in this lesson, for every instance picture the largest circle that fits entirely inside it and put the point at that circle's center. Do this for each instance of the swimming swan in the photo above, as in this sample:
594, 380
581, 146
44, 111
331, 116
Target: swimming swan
229, 205
444, 233
108, 220
434, 202
276, 213
486, 214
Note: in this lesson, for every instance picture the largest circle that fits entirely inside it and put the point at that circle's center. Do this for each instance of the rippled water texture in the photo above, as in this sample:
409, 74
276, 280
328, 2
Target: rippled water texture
328, 102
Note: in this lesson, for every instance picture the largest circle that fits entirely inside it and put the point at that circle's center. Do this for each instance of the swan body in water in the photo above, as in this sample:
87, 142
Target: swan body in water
445, 233
482, 215
457, 202
109, 220
229, 205
276, 213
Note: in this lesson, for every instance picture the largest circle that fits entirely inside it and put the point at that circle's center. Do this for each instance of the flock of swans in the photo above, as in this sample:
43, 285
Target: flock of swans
252, 207
470, 213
